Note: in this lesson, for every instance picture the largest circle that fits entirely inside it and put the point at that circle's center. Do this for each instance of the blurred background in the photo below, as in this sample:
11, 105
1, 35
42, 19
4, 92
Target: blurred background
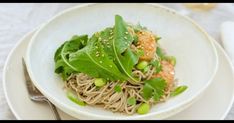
16, 19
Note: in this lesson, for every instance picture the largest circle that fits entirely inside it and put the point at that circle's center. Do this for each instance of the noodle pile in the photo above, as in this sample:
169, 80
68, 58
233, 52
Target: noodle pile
106, 97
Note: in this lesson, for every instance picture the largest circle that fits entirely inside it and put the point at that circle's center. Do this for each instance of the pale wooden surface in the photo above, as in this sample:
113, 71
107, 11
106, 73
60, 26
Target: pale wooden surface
16, 19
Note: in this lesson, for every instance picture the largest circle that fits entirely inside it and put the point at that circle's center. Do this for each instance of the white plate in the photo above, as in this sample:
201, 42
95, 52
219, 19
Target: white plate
214, 104
80, 20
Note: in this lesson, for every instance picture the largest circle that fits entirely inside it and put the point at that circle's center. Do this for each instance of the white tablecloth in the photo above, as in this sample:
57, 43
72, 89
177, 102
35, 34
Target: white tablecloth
16, 19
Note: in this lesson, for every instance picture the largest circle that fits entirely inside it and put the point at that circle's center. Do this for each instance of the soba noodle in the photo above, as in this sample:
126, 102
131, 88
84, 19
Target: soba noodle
106, 97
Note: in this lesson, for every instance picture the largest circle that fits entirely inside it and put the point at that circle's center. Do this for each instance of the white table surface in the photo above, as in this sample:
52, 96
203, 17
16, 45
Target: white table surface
16, 19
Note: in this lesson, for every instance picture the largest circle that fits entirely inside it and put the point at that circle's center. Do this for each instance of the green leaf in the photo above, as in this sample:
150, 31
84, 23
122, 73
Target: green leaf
160, 52
105, 37
116, 42
178, 90
138, 27
170, 59
61, 56
93, 61
76, 43
105, 55
57, 54
117, 88
157, 65
121, 44
157, 38
154, 88
135, 39
131, 101
140, 52
63, 69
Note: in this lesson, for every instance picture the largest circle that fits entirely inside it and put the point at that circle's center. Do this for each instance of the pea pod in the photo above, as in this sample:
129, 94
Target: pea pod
75, 99
178, 90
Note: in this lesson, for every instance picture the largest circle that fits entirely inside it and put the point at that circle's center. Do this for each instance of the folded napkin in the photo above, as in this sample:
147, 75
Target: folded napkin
227, 36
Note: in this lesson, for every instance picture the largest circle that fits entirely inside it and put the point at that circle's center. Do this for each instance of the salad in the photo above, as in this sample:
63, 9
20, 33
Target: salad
121, 68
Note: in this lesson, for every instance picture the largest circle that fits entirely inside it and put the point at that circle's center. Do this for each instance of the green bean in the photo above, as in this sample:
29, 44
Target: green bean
143, 109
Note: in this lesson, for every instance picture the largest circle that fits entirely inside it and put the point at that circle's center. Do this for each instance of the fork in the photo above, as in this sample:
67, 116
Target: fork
35, 95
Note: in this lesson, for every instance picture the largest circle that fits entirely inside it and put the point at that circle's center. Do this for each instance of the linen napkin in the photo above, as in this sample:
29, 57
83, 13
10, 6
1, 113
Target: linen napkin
227, 36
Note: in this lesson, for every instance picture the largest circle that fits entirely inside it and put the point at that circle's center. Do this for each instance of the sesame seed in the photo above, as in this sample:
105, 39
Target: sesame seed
110, 65
99, 38
125, 37
111, 33
126, 43
96, 47
100, 61
126, 33
103, 55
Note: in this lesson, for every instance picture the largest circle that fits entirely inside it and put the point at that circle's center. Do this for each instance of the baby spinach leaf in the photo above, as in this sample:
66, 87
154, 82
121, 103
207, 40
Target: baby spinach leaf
107, 54
105, 37
178, 90
121, 43
154, 88
63, 69
93, 61
76, 43
61, 56
116, 42
57, 55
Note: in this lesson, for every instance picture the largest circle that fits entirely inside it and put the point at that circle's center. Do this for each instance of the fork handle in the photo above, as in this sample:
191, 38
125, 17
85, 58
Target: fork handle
56, 114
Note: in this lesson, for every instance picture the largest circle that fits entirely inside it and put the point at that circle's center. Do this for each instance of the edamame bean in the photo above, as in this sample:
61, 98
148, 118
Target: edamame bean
99, 82
143, 109
142, 65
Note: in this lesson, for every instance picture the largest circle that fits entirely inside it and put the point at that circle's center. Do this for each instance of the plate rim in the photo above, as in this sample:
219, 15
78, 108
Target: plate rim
20, 41
181, 106
232, 67
33, 31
